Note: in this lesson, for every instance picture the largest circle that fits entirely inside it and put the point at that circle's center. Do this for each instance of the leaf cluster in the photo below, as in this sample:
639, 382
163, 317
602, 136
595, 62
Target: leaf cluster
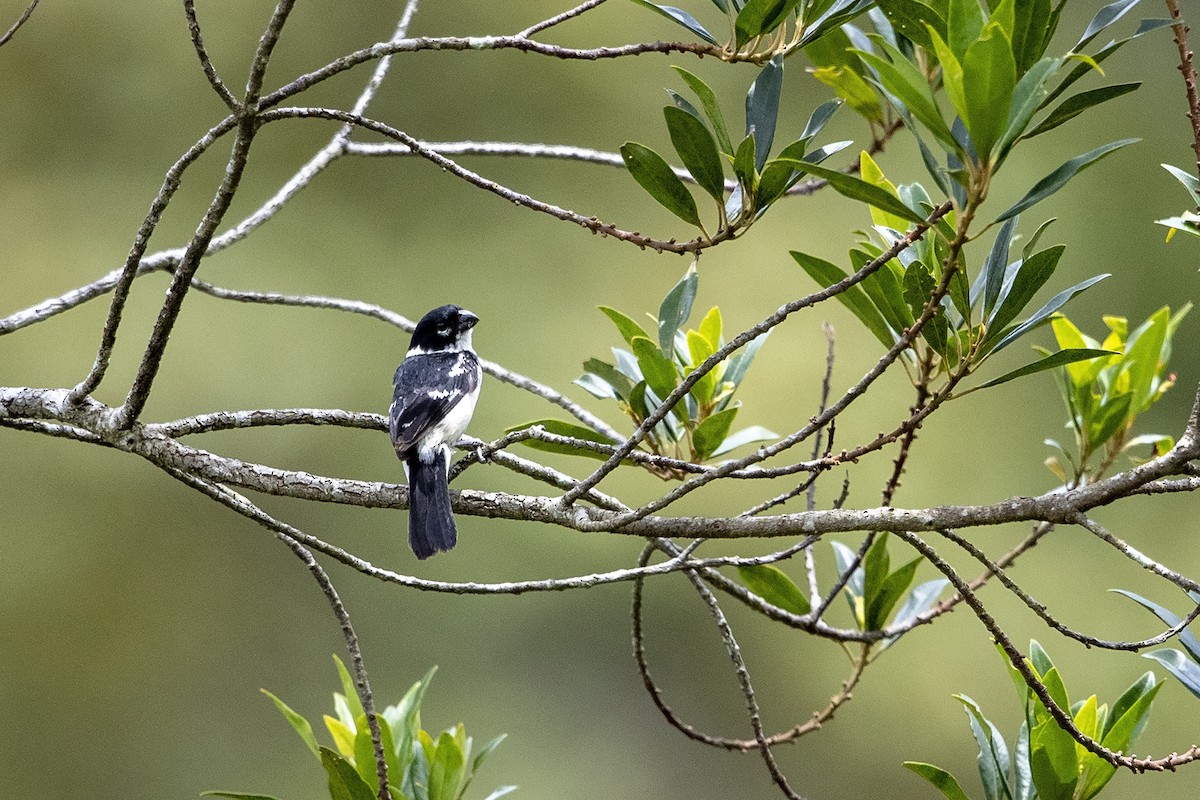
1046, 761
420, 767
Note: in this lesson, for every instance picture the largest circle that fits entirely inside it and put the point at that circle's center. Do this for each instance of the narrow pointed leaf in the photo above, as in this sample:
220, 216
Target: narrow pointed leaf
1027, 98
1059, 177
1178, 664
1041, 315
1030, 276
344, 782
710, 433
673, 312
560, 428
1105, 17
995, 266
627, 326
681, 17
656, 177
1188, 180
1186, 637
910, 17
1076, 104
298, 723
755, 433
908, 86
860, 190
942, 780
708, 101
1059, 359
854, 298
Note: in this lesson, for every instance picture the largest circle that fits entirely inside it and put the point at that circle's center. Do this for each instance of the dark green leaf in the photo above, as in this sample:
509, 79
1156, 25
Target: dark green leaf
759, 17
1030, 32
560, 428
344, 782
964, 23
683, 103
1112, 418
771, 584
708, 100
1185, 670
1059, 359
1059, 177
656, 177
876, 566
711, 433
858, 189
673, 312
854, 298
919, 600
681, 17
818, 120
739, 363
1054, 304
622, 386
1117, 736
942, 780
918, 291
995, 265
1027, 98
1082, 69
1188, 180
909, 18
696, 150
1076, 104
762, 105
905, 82
1031, 275
743, 168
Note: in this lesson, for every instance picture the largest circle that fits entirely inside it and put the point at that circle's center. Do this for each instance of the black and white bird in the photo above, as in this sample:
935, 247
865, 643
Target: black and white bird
436, 387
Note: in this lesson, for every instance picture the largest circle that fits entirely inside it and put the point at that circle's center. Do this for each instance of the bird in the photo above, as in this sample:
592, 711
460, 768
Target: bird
436, 387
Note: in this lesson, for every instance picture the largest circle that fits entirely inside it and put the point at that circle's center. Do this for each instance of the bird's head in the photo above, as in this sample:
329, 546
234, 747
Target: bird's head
444, 328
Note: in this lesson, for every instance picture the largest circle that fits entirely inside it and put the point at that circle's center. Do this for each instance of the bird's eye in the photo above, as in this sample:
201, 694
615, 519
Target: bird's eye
443, 331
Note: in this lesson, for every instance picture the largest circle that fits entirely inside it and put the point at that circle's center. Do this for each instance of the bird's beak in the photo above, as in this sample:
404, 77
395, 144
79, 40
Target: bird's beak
466, 320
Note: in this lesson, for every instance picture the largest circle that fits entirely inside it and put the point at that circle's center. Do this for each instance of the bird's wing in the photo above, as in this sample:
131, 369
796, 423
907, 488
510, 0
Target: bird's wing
427, 388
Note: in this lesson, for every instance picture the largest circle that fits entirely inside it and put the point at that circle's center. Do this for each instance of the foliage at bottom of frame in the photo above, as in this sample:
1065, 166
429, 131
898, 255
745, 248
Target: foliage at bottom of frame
420, 767
1046, 762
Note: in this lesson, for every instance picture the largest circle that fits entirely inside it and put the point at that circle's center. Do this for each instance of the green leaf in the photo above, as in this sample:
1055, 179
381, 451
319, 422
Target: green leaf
919, 600
743, 168
699, 348
697, 150
1030, 275
965, 22
739, 363
711, 432
1105, 17
673, 312
1052, 761
759, 17
995, 265
989, 76
1059, 359
919, 285
681, 17
659, 371
1031, 32
1143, 355
910, 17
1076, 104
344, 782
628, 328
879, 607
1027, 98
560, 428
1186, 671
1059, 177
1188, 180
773, 585
349, 689
858, 189
608, 376
952, 74
711, 328
708, 101
904, 81
1186, 637
762, 107
298, 723
343, 735
942, 780
364, 751
850, 86
656, 177
876, 566
854, 298
994, 761
1045, 312
446, 768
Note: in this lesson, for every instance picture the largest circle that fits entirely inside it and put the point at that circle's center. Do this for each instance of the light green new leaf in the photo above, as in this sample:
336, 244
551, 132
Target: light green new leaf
446, 769
952, 73
1143, 354
773, 585
656, 176
710, 433
699, 349
1052, 761
1059, 177
854, 298
942, 780
298, 723
850, 86
708, 101
696, 150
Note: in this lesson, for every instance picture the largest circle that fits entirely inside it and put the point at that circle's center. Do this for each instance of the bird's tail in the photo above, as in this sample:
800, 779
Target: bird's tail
430, 522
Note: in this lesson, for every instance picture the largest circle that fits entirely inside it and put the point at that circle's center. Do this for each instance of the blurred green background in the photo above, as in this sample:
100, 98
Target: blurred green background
138, 620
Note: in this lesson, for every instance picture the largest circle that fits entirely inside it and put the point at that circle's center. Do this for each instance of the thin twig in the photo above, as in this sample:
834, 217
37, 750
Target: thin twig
210, 71
560, 18
16, 26
1189, 75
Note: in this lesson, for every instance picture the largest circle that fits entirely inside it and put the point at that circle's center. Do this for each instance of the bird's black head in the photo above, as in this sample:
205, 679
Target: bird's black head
445, 328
